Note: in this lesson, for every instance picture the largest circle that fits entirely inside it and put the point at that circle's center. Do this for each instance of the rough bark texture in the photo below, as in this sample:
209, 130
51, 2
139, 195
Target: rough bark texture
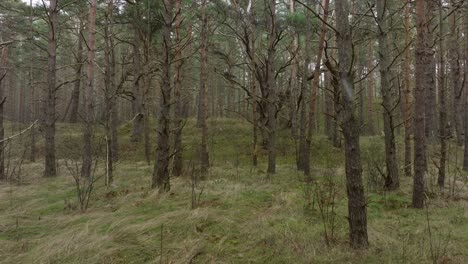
431, 92
89, 94
253, 83
49, 120
465, 98
110, 93
178, 161
407, 121
32, 111
271, 95
422, 59
443, 102
161, 166
357, 212
204, 156
137, 103
391, 180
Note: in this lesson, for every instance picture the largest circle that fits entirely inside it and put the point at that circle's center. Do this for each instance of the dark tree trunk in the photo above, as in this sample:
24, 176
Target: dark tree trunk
391, 179
422, 59
431, 93
270, 73
161, 166
203, 110
407, 121
178, 162
465, 98
443, 101
350, 125
137, 103
49, 122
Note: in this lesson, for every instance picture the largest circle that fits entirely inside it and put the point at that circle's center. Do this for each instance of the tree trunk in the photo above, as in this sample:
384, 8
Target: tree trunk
350, 125
370, 92
49, 122
75, 99
203, 110
315, 90
3, 73
443, 101
178, 162
253, 84
270, 73
391, 179
465, 98
431, 92
89, 94
422, 59
32, 113
161, 166
407, 121
137, 103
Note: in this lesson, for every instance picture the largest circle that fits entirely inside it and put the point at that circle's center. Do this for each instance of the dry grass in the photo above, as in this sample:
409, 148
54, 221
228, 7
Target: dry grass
243, 217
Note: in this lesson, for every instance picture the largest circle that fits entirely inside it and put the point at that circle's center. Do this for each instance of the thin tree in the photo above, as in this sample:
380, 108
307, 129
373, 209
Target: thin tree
422, 68
50, 100
391, 179
203, 97
357, 212
161, 166
442, 100
315, 89
407, 121
89, 93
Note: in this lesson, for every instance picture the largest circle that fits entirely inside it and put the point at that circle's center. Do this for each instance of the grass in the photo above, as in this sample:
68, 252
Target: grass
243, 216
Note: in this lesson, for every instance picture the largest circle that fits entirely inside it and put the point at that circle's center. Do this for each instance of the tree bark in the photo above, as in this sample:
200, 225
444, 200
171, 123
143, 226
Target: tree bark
50, 115
161, 166
178, 148
270, 73
3, 73
75, 99
407, 121
443, 101
391, 179
370, 91
89, 94
137, 103
431, 92
465, 156
350, 125
203, 110
422, 69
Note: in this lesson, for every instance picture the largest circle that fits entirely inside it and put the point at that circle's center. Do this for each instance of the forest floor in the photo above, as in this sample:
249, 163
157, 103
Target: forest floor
241, 215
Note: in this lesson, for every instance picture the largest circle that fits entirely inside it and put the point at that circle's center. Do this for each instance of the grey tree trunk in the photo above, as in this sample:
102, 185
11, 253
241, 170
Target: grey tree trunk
89, 94
357, 212
75, 99
407, 116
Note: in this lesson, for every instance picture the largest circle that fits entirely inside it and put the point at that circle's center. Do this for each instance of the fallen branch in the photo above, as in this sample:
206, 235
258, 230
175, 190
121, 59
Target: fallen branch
20, 133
